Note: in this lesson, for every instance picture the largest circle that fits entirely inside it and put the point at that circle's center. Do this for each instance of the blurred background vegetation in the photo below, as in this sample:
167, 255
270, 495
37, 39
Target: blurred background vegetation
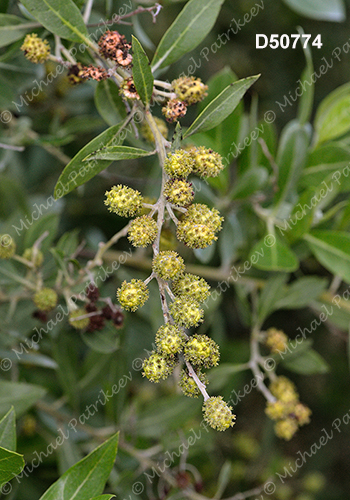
52, 128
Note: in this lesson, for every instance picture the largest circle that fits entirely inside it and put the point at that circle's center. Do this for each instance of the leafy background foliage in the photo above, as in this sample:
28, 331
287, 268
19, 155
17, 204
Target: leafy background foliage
294, 279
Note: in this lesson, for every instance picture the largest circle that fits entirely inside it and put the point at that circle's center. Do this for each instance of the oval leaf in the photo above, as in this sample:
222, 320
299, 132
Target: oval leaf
76, 172
88, 477
109, 103
252, 180
20, 395
11, 464
333, 114
142, 73
62, 17
8, 430
332, 250
221, 107
323, 10
12, 28
307, 363
277, 257
187, 31
114, 153
300, 293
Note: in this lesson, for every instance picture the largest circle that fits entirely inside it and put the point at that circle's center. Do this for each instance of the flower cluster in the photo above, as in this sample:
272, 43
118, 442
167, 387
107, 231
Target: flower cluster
189, 90
35, 49
288, 412
276, 340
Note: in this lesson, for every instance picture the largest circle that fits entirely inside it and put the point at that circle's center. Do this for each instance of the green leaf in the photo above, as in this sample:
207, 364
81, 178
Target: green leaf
87, 478
291, 159
12, 28
221, 107
323, 10
223, 479
300, 293
114, 153
48, 222
187, 31
103, 497
76, 172
142, 73
8, 430
269, 296
251, 181
109, 102
306, 363
62, 17
271, 254
19, 395
333, 114
301, 217
332, 250
104, 341
307, 97
11, 464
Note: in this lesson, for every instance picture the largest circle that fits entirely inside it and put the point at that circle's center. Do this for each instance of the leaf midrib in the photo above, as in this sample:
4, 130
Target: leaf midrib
326, 246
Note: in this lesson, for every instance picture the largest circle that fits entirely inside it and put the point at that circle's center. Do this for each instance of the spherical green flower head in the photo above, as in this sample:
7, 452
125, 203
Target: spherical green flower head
179, 192
143, 231
170, 340
218, 414
191, 286
76, 321
286, 428
279, 409
302, 414
34, 255
201, 350
7, 246
202, 214
124, 201
195, 235
132, 294
45, 299
276, 340
284, 389
35, 49
168, 265
186, 312
190, 89
179, 164
188, 386
157, 367
207, 163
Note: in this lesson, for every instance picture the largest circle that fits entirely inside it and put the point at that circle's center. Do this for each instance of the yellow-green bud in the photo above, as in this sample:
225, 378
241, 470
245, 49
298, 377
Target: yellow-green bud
314, 481
202, 214
170, 340
157, 367
201, 350
302, 413
124, 201
45, 299
207, 163
168, 265
179, 192
34, 255
195, 235
276, 340
7, 246
142, 231
284, 390
190, 89
77, 320
35, 49
192, 286
286, 428
186, 312
218, 414
147, 132
133, 294
179, 164
188, 386
278, 409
